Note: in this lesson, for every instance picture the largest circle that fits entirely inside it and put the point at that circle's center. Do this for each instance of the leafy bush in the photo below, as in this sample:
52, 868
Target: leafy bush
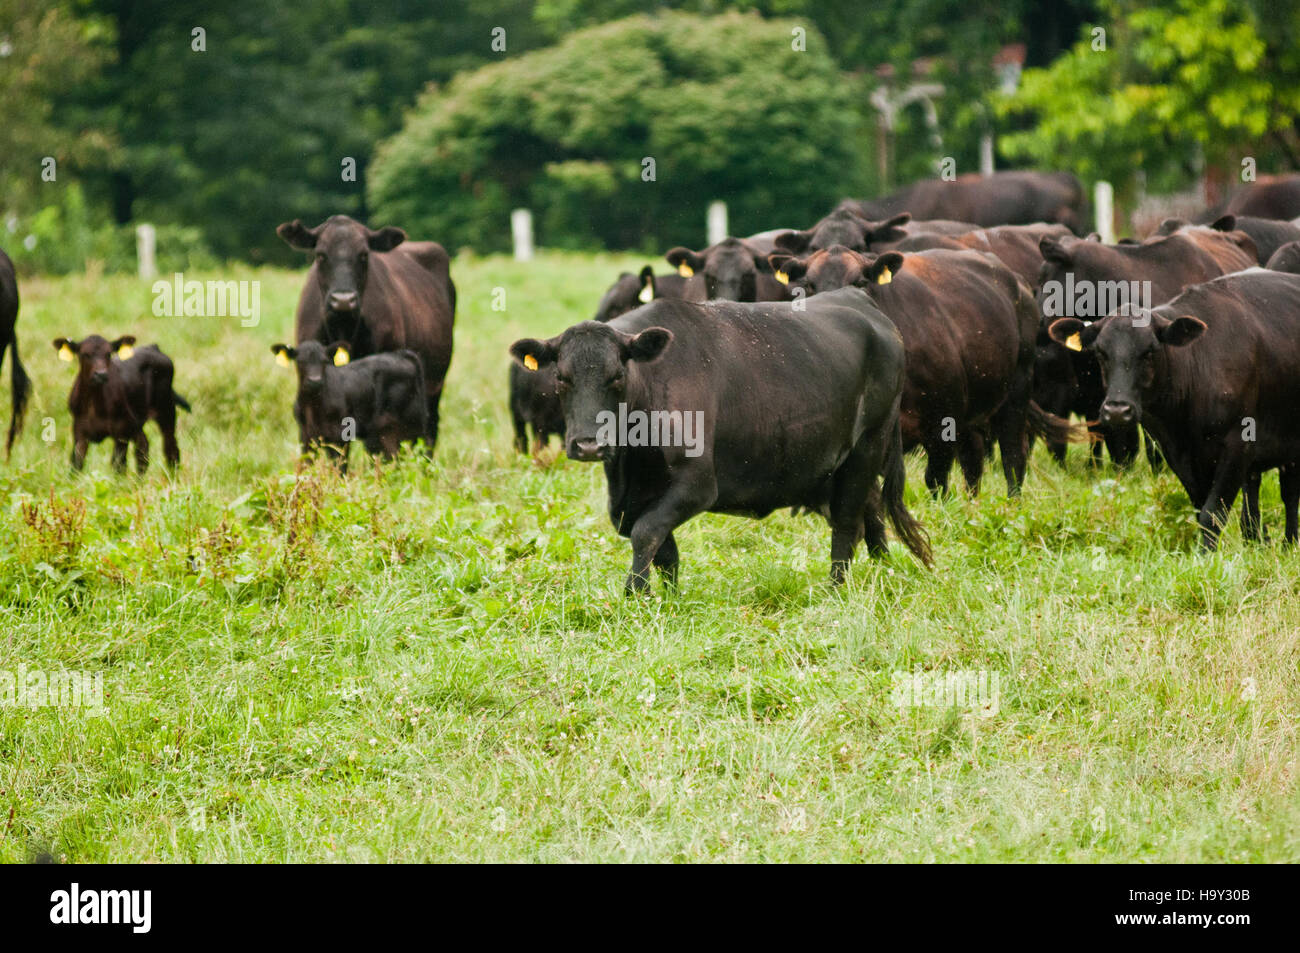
723, 105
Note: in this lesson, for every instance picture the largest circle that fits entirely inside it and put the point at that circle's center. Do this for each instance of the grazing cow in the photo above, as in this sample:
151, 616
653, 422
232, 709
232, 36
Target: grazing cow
379, 292
20, 383
829, 388
1286, 258
534, 400
1270, 196
1004, 198
378, 400
844, 227
1212, 375
969, 327
1066, 383
735, 269
118, 389
1267, 235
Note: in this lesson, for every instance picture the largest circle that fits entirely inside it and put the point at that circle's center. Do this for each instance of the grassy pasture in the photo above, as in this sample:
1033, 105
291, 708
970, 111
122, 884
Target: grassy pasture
435, 662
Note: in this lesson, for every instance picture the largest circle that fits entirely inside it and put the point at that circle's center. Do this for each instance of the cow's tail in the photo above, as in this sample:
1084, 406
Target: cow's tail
905, 525
181, 402
1056, 429
21, 387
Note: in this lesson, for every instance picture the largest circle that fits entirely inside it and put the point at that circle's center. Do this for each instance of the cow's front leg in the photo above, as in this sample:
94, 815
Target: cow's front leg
688, 495
79, 447
1228, 477
1252, 526
119, 455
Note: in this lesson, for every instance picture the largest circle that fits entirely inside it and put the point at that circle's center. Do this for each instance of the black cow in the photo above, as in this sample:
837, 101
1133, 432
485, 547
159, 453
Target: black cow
379, 292
378, 400
969, 327
1267, 234
118, 389
1070, 382
1272, 196
20, 383
844, 227
1212, 375
534, 400
828, 386
735, 269
1286, 258
1016, 246
1003, 198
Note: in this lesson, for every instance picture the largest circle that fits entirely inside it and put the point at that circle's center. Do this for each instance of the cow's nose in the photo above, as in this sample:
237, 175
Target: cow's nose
99, 376
1118, 412
343, 300
584, 448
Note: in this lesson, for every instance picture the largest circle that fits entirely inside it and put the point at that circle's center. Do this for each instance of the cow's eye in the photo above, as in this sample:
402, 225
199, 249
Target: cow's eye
616, 380
320, 256
365, 256
564, 382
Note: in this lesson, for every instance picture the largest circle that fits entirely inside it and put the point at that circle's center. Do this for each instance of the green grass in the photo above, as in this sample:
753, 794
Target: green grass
435, 662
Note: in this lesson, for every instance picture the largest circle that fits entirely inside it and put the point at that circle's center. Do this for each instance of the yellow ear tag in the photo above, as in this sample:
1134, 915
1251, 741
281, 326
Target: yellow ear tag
685, 270
341, 357
65, 353
782, 277
530, 362
282, 358
647, 294
1074, 343
885, 277
124, 352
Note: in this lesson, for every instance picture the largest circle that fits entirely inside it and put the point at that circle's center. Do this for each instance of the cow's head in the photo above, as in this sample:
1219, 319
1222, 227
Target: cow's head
1286, 258
592, 363
836, 267
843, 227
1130, 347
342, 246
730, 268
94, 355
312, 360
629, 292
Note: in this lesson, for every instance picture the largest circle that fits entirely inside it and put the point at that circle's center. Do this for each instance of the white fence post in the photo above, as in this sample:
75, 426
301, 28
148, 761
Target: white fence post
146, 241
1103, 207
521, 227
717, 222
986, 154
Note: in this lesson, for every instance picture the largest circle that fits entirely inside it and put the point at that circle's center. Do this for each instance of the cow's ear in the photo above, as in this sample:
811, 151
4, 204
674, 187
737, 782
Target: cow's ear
386, 239
123, 346
298, 235
284, 354
1180, 331
649, 344
793, 242
1074, 334
647, 279
685, 261
882, 270
67, 348
787, 267
532, 353
890, 230
1170, 225
1054, 249
1227, 223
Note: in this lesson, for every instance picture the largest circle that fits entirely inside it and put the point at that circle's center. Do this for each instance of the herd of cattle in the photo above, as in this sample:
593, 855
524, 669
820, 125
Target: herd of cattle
949, 316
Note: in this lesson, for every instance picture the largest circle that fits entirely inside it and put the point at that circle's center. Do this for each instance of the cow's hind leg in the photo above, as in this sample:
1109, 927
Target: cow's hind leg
1289, 478
1252, 526
119, 455
1011, 428
939, 454
141, 453
970, 455
855, 506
